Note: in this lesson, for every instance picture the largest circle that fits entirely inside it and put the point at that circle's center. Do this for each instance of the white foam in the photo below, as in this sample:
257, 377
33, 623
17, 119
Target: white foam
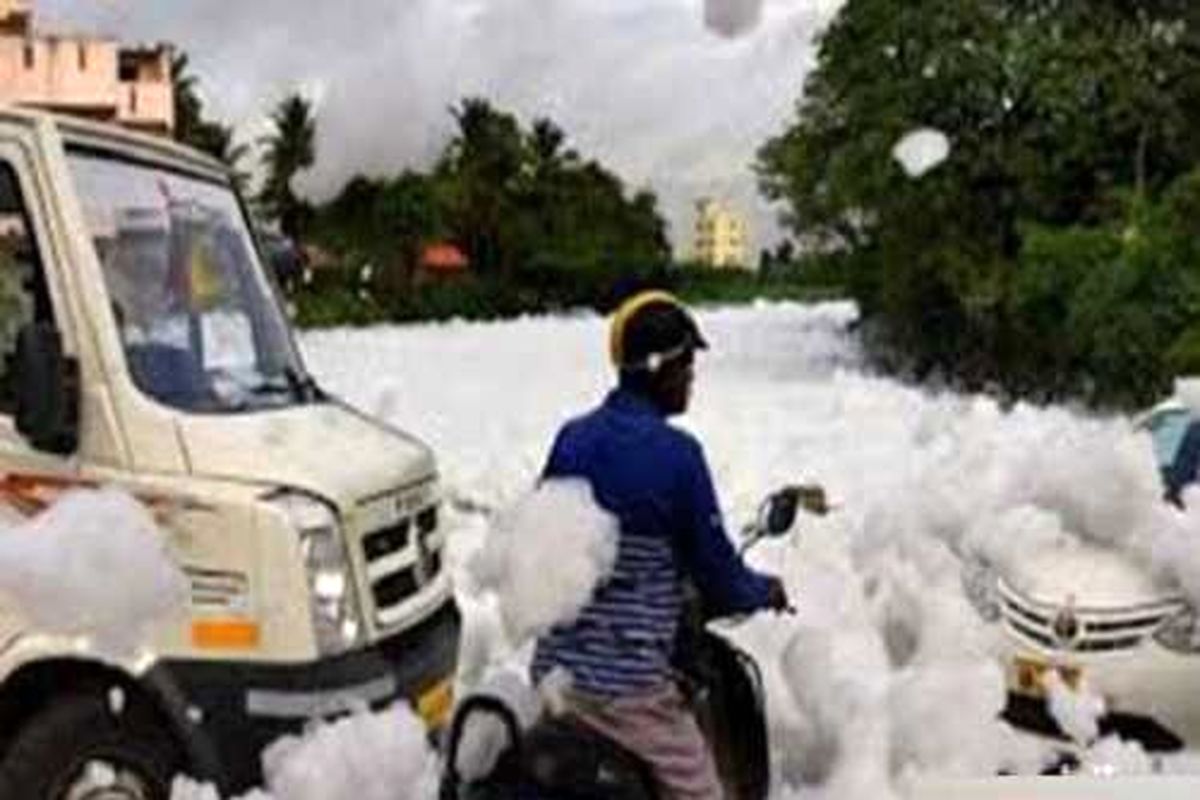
732, 18
67, 570
544, 557
921, 150
1076, 710
369, 756
886, 672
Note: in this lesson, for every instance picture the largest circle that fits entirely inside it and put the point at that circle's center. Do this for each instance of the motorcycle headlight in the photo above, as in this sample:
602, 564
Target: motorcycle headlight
979, 585
1180, 633
337, 621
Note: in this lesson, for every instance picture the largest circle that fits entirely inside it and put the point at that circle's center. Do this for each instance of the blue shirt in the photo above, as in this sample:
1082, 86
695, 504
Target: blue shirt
655, 480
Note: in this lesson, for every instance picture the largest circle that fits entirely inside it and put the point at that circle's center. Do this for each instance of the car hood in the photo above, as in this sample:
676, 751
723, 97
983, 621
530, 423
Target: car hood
328, 449
1087, 576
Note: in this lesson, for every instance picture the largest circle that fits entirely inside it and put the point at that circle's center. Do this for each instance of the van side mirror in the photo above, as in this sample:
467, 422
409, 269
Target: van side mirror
46, 388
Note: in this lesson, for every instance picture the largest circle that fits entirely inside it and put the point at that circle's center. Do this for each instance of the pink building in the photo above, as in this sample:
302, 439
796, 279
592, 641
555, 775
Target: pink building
83, 75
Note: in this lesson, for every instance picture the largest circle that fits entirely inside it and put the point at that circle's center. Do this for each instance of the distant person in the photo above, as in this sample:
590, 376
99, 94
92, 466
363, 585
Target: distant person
286, 260
654, 479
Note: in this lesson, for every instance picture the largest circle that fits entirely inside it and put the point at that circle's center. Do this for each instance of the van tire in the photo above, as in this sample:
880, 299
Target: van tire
54, 746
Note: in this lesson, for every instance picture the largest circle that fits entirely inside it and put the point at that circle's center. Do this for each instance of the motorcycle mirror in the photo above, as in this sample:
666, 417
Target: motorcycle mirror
778, 512
814, 500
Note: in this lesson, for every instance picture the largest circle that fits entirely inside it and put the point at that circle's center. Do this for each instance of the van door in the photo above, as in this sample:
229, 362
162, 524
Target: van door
29, 478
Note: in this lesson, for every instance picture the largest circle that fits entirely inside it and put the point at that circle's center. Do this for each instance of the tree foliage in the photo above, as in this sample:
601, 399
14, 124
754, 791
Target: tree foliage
528, 207
1051, 254
289, 149
193, 128
529, 212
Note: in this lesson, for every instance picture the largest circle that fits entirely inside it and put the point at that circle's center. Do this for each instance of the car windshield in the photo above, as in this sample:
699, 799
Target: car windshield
200, 326
1168, 430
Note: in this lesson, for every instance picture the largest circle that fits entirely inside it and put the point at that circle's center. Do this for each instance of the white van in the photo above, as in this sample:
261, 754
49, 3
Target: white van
142, 345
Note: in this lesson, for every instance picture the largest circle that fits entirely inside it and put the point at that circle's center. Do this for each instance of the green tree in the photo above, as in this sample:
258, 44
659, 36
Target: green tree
189, 115
530, 209
220, 144
288, 150
193, 129
348, 222
539, 222
408, 214
480, 170
1061, 116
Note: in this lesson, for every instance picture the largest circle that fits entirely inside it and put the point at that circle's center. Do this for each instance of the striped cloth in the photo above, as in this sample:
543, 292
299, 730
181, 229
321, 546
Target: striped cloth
654, 479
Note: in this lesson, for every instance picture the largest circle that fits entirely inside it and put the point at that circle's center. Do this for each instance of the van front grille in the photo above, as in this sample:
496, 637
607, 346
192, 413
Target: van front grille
1094, 630
401, 559
387, 541
393, 589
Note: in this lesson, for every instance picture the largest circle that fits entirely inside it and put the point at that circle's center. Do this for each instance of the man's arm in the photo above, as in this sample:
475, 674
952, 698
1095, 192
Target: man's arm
727, 585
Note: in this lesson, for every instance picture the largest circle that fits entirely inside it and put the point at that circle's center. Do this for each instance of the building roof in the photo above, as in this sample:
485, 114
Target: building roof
444, 257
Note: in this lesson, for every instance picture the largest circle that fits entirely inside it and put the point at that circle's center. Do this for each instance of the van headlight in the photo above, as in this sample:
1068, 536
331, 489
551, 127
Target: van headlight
333, 601
1180, 633
979, 582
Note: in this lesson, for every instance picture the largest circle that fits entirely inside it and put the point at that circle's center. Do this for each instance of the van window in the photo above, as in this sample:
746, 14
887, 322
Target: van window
22, 295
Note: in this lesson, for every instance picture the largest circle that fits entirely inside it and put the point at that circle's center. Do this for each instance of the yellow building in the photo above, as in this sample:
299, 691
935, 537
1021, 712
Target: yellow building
721, 236
83, 75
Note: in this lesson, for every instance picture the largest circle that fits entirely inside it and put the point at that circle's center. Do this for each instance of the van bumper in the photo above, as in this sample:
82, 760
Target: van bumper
226, 713
1149, 694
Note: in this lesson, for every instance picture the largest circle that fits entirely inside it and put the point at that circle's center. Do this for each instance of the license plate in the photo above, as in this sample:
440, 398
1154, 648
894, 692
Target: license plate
1030, 675
435, 703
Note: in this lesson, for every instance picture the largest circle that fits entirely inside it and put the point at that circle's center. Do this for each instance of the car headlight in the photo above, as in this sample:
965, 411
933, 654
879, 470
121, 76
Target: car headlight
337, 621
979, 585
1180, 633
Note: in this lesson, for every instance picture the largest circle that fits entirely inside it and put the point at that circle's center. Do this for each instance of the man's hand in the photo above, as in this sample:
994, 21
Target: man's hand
777, 598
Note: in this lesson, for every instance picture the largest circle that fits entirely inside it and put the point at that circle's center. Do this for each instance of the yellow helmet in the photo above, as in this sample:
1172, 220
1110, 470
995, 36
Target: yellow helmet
651, 328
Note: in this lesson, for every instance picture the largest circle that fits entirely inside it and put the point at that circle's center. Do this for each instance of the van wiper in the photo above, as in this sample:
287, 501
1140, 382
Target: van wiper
269, 386
303, 385
303, 388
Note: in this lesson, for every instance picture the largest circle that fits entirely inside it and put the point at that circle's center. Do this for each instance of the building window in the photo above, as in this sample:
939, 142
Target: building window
82, 57
29, 55
154, 71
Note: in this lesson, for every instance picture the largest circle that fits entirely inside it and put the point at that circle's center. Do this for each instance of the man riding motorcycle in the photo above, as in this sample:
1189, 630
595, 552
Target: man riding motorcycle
654, 479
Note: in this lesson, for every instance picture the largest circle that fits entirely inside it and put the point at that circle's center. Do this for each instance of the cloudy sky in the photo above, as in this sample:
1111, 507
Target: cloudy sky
674, 94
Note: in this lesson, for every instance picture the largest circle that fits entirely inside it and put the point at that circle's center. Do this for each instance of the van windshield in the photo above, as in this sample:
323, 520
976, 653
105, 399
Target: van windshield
201, 327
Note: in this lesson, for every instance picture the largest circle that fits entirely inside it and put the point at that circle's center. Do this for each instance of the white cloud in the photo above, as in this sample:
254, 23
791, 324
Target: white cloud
643, 85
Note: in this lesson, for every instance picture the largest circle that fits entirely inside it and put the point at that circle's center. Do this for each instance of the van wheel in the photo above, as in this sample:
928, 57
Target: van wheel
76, 748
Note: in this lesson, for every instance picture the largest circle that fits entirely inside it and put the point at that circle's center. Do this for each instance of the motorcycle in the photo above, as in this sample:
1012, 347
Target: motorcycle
535, 755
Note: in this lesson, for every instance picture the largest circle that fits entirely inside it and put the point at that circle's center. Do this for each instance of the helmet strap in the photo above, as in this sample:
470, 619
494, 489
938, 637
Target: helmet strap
656, 361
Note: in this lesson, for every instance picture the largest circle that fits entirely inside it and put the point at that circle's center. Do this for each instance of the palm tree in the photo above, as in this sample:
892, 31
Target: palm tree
288, 151
188, 106
193, 129
483, 164
547, 141
222, 146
